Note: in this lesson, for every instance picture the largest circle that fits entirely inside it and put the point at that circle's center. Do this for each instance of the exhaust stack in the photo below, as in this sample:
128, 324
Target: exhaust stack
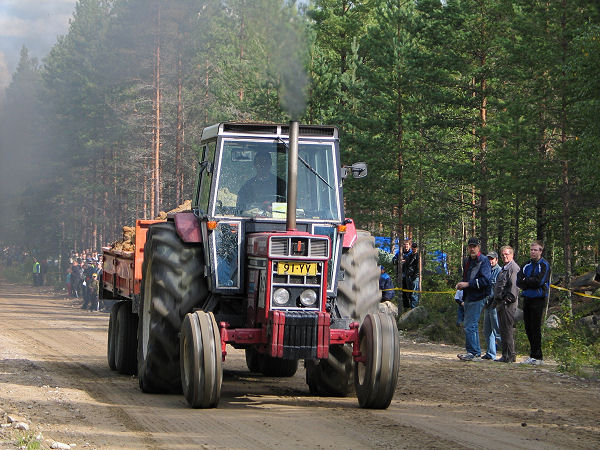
292, 184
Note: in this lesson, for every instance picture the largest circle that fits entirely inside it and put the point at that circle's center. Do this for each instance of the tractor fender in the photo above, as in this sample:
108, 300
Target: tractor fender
350, 235
188, 227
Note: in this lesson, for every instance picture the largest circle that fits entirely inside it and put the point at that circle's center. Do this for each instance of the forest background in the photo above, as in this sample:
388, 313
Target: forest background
476, 117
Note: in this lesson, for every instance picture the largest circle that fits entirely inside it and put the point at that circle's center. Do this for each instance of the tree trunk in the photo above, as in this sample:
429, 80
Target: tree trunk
179, 136
566, 194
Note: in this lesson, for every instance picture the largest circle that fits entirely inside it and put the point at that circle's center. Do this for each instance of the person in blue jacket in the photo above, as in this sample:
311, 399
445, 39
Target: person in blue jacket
534, 281
385, 282
475, 285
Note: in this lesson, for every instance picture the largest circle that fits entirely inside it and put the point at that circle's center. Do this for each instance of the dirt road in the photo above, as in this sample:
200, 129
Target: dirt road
54, 375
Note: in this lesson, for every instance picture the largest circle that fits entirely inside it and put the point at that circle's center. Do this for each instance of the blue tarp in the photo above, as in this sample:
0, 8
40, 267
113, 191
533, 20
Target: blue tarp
438, 257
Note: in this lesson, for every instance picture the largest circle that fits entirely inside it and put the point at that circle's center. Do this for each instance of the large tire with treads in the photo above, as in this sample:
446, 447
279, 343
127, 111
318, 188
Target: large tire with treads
125, 340
253, 359
358, 294
278, 367
173, 284
375, 379
269, 366
201, 360
110, 345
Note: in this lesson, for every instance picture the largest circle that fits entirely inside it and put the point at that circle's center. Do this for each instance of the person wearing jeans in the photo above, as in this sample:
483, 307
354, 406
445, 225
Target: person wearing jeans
475, 285
491, 330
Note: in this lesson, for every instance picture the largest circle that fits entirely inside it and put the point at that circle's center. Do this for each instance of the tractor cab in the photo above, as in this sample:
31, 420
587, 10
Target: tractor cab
243, 188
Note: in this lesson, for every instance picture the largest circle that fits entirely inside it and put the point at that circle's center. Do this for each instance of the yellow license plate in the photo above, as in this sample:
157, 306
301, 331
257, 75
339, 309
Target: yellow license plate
296, 268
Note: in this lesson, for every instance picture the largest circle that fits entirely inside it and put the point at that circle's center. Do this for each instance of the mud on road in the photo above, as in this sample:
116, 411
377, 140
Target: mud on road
54, 375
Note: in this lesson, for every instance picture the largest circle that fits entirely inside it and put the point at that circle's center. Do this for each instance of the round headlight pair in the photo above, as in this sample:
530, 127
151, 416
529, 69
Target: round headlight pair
281, 296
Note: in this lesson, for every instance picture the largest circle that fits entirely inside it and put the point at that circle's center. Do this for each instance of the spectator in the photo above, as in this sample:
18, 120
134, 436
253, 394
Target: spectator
87, 278
410, 274
68, 282
506, 294
93, 292
76, 279
491, 331
386, 285
37, 272
475, 284
534, 280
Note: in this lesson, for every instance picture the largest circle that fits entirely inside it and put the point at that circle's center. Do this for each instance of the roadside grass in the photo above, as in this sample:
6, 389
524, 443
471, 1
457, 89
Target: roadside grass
27, 440
17, 273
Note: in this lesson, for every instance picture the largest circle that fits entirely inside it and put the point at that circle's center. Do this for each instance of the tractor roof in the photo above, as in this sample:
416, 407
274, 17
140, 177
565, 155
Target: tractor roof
267, 130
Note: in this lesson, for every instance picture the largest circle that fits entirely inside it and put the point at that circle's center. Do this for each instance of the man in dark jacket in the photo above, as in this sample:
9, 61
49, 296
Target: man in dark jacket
534, 280
410, 274
386, 285
475, 285
76, 278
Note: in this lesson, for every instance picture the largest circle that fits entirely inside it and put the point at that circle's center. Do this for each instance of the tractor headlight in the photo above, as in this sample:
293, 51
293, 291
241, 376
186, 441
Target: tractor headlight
308, 297
281, 296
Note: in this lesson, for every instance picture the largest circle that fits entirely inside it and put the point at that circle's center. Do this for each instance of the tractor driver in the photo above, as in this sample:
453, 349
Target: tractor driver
263, 189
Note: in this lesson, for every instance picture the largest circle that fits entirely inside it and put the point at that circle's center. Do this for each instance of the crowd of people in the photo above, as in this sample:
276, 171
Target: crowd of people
489, 288
83, 279
485, 286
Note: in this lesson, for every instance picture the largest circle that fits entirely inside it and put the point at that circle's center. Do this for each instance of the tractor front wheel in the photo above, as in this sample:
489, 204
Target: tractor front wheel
375, 379
201, 356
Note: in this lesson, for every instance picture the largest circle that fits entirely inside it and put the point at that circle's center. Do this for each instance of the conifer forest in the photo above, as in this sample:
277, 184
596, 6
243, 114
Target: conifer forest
475, 117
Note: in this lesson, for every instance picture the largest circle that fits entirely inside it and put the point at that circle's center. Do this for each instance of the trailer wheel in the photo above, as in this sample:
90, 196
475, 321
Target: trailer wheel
125, 340
173, 284
201, 356
253, 359
110, 347
358, 294
278, 367
375, 379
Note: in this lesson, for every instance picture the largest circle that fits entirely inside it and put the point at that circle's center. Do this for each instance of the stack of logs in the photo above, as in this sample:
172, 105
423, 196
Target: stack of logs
127, 243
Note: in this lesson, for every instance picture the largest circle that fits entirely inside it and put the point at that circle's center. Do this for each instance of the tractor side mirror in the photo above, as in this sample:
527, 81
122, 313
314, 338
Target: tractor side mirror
359, 170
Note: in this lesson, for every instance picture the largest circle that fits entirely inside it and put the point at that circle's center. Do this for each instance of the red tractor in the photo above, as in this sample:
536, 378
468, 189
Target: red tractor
265, 261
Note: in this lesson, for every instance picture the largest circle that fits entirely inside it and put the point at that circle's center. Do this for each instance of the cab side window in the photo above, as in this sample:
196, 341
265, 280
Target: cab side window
206, 175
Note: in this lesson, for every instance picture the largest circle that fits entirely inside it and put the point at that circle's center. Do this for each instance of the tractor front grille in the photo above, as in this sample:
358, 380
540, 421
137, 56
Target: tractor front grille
282, 246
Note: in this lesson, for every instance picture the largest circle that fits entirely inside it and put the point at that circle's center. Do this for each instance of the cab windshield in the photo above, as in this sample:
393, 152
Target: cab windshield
252, 180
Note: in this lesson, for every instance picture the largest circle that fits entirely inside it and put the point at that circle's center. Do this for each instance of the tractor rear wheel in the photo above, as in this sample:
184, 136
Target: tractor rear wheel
358, 294
375, 379
253, 359
201, 360
125, 340
173, 284
278, 367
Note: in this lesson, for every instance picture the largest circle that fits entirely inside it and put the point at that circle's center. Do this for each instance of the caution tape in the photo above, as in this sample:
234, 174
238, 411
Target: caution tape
452, 292
581, 294
420, 292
